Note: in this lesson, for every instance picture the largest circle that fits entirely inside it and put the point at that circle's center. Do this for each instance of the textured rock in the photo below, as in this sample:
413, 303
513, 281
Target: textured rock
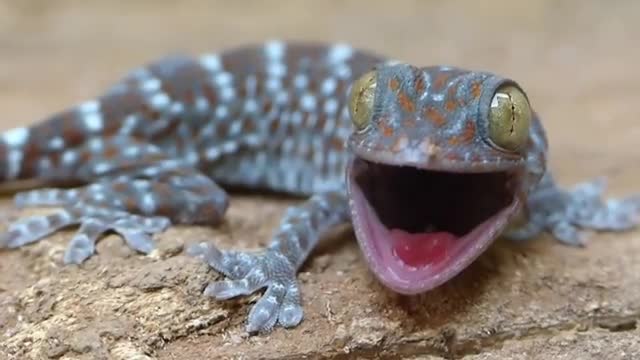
577, 59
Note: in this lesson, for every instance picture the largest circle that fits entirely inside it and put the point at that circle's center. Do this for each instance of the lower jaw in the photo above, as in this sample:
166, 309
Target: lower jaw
404, 279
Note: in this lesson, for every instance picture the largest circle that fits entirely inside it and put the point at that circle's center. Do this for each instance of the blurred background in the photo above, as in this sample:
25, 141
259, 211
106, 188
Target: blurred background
577, 59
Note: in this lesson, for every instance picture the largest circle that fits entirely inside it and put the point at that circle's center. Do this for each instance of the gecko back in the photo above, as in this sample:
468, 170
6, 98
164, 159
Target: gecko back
268, 116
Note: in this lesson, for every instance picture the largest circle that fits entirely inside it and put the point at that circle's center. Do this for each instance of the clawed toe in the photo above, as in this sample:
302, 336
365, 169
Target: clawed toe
248, 273
135, 230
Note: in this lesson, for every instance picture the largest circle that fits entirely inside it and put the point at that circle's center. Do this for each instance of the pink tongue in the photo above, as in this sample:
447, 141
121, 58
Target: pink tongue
417, 250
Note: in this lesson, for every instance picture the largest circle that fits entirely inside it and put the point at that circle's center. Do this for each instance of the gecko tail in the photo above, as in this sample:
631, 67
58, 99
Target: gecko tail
34, 152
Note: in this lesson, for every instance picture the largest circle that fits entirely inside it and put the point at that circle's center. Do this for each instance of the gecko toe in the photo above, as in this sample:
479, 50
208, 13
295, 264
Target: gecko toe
249, 272
568, 234
34, 228
83, 244
291, 312
233, 264
264, 314
46, 197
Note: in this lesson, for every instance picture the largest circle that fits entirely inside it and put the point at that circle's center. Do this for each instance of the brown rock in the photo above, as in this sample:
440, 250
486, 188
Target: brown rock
577, 59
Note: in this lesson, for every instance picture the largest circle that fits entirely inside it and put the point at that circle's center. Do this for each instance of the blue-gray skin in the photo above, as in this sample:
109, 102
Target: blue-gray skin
151, 151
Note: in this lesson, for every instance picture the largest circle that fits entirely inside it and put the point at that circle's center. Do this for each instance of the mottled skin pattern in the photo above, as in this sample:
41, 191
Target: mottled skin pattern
152, 150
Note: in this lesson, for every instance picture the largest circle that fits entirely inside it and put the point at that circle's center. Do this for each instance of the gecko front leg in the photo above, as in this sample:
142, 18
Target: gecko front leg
134, 189
275, 267
568, 214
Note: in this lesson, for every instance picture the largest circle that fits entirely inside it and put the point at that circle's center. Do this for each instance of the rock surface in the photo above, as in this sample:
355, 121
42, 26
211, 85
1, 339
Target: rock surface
540, 300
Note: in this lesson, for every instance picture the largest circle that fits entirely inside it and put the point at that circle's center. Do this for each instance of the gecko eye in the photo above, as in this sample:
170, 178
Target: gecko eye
509, 118
361, 100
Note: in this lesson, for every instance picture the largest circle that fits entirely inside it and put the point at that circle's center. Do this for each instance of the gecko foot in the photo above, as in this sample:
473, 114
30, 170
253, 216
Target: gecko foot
567, 214
94, 221
247, 273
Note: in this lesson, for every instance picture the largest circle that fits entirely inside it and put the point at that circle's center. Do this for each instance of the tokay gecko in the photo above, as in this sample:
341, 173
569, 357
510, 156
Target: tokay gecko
429, 164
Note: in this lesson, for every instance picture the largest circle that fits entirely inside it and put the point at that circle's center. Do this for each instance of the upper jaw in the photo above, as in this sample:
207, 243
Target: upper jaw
373, 238
432, 157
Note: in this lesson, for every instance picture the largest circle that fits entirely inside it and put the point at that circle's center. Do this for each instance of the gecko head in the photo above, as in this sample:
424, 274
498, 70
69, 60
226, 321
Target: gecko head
438, 169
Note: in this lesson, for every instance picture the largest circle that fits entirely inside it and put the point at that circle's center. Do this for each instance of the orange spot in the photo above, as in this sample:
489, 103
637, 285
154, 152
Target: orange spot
469, 131
386, 130
248, 125
406, 103
440, 81
429, 148
419, 85
400, 143
451, 103
394, 84
337, 144
111, 152
467, 135
409, 123
476, 89
435, 116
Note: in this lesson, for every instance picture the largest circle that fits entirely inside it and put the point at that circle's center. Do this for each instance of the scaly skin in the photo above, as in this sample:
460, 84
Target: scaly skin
151, 151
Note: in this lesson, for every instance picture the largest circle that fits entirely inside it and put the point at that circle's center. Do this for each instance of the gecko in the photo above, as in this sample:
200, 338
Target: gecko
429, 165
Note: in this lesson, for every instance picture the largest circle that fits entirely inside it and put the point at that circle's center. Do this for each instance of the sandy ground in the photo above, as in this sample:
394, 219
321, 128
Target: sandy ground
578, 61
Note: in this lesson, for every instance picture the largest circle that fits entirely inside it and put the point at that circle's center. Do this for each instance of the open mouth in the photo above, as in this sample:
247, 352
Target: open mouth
419, 228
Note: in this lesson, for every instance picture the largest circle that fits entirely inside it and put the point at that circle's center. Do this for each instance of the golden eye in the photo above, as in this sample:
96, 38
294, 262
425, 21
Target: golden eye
509, 118
361, 99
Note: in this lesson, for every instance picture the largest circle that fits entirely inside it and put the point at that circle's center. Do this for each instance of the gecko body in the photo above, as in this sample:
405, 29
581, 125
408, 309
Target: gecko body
430, 165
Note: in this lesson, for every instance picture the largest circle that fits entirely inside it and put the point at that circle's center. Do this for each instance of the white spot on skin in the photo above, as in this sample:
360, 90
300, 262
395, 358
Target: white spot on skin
340, 53
202, 104
274, 50
148, 203
282, 98
96, 145
250, 106
44, 164
132, 151
221, 111
211, 62
89, 107
177, 108
69, 157
235, 128
331, 106
56, 143
329, 85
15, 163
229, 147
99, 197
227, 94
160, 100
224, 79
212, 153
308, 102
301, 81
140, 73
296, 118
16, 137
273, 84
276, 69
343, 71
129, 124
101, 168
151, 85
93, 122
192, 157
